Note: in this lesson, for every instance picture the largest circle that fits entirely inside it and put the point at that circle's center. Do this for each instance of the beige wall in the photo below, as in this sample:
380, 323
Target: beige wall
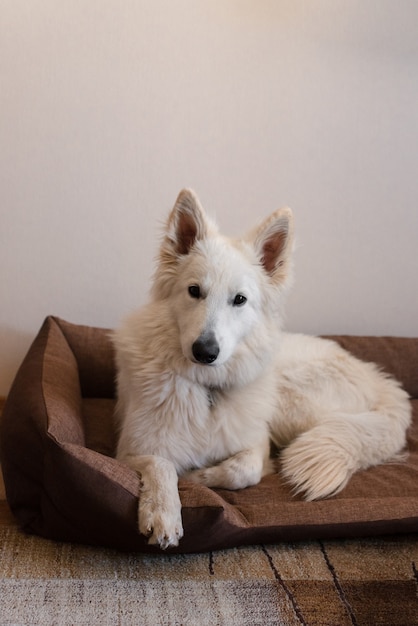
109, 107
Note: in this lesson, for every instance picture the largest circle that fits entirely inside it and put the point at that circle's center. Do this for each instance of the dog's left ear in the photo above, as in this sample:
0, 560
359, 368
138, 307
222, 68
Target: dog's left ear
273, 243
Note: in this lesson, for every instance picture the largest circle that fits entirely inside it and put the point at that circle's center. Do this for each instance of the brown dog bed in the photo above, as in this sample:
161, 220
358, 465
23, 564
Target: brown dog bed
62, 482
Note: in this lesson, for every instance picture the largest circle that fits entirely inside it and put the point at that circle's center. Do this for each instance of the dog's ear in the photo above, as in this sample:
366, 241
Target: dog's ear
187, 222
273, 243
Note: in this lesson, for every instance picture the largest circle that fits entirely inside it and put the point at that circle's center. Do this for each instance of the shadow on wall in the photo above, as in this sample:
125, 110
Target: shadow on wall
14, 345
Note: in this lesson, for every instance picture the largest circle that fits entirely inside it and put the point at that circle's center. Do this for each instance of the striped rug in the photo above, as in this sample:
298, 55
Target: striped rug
368, 582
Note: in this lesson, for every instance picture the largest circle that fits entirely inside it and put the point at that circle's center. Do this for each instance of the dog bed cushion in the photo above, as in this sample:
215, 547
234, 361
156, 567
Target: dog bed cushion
63, 482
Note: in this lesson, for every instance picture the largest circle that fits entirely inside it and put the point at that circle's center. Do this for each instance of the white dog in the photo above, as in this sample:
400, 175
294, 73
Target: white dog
206, 378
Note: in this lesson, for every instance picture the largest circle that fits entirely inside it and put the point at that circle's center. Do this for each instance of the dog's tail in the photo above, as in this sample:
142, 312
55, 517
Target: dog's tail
320, 461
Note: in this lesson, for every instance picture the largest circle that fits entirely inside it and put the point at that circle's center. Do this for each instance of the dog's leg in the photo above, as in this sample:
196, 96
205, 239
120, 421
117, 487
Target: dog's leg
237, 472
159, 513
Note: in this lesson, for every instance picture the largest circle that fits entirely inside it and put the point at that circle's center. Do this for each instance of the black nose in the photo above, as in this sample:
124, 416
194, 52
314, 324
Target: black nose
206, 349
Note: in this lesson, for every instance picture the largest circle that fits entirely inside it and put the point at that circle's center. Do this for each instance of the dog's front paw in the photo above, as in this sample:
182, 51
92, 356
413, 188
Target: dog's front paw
162, 525
316, 466
201, 476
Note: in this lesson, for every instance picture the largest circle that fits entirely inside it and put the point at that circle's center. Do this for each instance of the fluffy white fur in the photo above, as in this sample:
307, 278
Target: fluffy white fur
206, 378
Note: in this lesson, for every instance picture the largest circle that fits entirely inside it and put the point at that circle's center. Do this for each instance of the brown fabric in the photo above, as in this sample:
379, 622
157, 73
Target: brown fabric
99, 425
58, 439
93, 352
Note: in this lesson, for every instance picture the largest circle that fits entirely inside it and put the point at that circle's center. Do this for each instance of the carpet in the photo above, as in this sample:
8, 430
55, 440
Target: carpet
368, 582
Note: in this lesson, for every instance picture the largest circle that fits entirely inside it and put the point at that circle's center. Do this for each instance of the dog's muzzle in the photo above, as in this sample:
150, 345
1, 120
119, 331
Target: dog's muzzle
206, 349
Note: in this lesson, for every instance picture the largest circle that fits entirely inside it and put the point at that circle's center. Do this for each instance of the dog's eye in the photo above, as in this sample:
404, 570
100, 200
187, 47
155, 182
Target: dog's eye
239, 299
194, 291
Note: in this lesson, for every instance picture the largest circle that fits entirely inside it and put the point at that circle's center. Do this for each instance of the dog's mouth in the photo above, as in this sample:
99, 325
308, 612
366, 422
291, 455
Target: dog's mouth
204, 363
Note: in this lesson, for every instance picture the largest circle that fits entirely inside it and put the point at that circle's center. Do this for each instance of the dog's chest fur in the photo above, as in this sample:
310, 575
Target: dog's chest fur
212, 396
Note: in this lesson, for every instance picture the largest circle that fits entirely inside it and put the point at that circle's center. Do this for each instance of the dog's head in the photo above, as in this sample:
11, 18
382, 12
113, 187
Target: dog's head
225, 294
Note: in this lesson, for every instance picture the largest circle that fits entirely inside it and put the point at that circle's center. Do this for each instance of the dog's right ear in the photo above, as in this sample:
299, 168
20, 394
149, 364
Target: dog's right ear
187, 223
